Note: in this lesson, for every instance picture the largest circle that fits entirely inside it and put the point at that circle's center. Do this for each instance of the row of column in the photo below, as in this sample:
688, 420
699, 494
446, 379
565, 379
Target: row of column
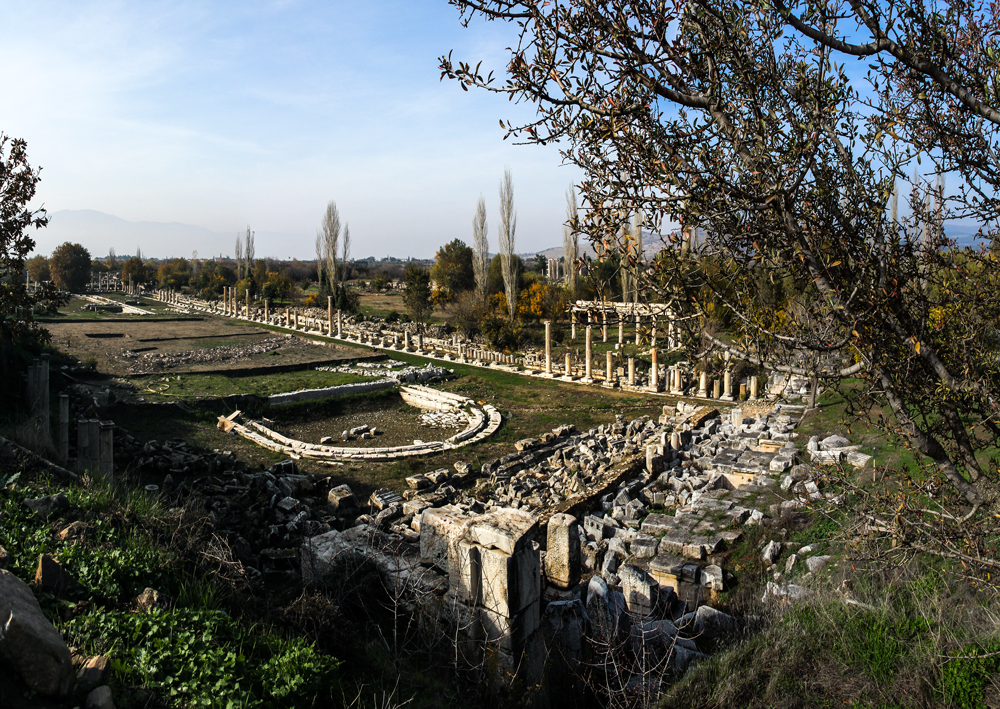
673, 330
675, 377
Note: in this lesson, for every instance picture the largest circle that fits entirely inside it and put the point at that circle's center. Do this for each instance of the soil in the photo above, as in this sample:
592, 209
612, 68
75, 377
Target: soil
185, 345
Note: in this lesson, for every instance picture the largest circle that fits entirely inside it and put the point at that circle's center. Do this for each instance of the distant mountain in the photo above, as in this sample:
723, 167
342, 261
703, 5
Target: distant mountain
98, 232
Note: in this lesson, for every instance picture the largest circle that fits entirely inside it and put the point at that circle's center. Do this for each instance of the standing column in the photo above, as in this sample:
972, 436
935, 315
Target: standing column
727, 394
329, 315
548, 347
94, 438
604, 326
568, 370
288, 317
631, 371
406, 341
587, 363
652, 336
753, 387
716, 389
654, 373
82, 444
608, 364
703, 384
638, 320
43, 396
107, 455
572, 325
420, 342
248, 303
64, 428
621, 330
340, 323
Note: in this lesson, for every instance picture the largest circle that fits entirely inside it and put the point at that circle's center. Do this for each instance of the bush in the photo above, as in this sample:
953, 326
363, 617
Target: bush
392, 317
501, 334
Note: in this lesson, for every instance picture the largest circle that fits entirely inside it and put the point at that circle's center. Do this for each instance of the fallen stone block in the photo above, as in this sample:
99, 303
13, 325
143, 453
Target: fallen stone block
508, 530
30, 645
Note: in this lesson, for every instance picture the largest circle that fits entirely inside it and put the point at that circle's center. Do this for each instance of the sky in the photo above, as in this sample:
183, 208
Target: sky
229, 114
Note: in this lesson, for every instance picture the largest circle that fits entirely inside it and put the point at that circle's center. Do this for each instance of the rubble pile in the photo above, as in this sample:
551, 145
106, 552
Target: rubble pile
152, 362
618, 531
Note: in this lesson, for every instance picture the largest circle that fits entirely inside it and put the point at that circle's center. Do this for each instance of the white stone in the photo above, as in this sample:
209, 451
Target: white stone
771, 552
815, 563
510, 582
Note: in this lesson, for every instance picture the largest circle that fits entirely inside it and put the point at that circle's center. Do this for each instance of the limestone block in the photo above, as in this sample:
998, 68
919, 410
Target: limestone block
562, 556
639, 588
771, 552
465, 571
643, 547
342, 498
511, 634
711, 576
815, 563
506, 529
439, 528
858, 460
510, 582
30, 645
564, 626
605, 608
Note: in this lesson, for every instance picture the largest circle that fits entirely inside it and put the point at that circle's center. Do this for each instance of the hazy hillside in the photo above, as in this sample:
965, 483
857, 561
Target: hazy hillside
98, 232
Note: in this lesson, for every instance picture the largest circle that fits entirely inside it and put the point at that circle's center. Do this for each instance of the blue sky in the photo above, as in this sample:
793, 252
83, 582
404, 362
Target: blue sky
223, 114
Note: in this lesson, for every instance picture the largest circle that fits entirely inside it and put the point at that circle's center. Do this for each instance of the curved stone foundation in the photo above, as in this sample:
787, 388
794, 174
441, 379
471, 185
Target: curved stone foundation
481, 424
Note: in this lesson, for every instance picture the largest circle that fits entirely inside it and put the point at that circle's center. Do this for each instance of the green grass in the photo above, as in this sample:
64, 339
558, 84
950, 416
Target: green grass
195, 654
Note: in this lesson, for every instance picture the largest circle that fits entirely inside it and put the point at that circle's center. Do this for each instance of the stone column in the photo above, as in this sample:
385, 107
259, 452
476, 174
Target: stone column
406, 341
572, 325
82, 444
652, 334
569, 366
716, 389
107, 456
94, 436
753, 387
727, 378
631, 371
548, 347
703, 384
587, 364
43, 395
604, 326
64, 428
607, 369
638, 321
621, 330
420, 342
654, 373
